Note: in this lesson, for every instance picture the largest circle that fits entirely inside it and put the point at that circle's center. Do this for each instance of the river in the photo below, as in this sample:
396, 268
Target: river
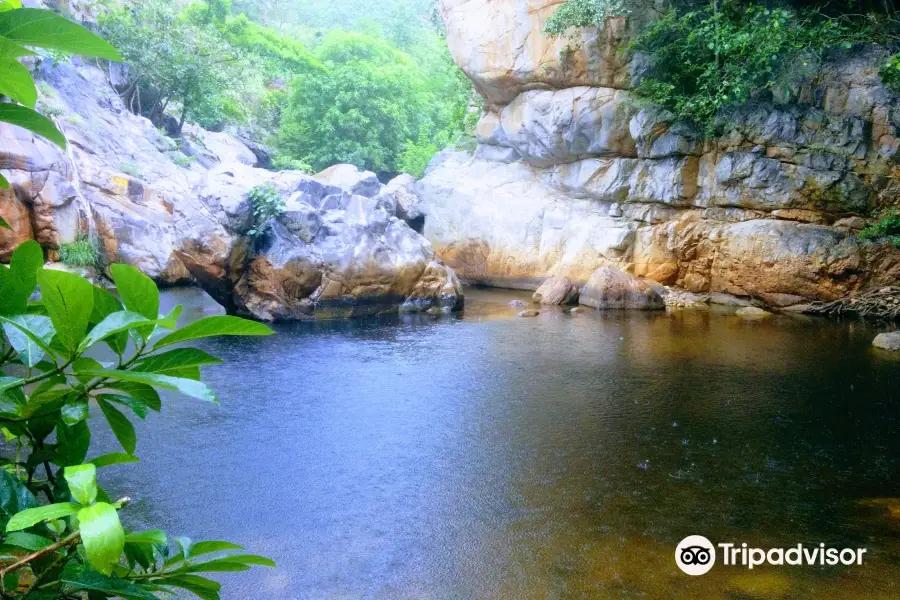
485, 456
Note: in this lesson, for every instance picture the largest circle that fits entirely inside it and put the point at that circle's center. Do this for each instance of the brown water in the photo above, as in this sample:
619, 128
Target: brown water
562, 457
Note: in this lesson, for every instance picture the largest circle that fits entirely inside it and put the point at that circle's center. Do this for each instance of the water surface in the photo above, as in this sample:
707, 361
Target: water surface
561, 457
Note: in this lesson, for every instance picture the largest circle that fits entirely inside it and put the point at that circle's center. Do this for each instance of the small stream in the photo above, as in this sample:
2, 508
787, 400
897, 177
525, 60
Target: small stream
485, 456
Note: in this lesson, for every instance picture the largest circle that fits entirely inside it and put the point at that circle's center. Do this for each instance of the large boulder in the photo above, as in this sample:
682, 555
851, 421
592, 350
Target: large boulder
331, 253
556, 291
500, 45
610, 288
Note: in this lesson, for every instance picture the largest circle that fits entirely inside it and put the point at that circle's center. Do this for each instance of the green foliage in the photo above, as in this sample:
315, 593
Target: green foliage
583, 13
887, 226
265, 203
283, 162
890, 73
369, 99
130, 168
83, 252
62, 534
710, 58
172, 60
416, 156
21, 28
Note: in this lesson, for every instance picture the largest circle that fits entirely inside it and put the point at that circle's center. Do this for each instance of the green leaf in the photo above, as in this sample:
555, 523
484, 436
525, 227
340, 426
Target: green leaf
82, 481
75, 410
214, 326
30, 335
13, 50
6, 5
4, 224
154, 537
25, 263
77, 577
249, 559
206, 547
113, 458
32, 516
188, 387
138, 291
28, 541
4, 185
72, 443
104, 305
14, 497
203, 588
17, 82
120, 425
140, 392
220, 565
135, 404
26, 118
102, 535
69, 300
174, 360
45, 29
114, 323
7, 383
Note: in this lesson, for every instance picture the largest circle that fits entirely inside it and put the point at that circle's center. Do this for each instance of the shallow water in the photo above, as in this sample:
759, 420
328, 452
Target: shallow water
560, 457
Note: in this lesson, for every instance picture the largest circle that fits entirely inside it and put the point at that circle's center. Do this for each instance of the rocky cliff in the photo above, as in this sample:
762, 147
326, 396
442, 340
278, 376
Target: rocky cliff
178, 209
573, 172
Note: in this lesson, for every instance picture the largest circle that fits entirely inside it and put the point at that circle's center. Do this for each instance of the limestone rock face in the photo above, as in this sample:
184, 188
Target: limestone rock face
332, 253
499, 44
610, 288
572, 172
513, 225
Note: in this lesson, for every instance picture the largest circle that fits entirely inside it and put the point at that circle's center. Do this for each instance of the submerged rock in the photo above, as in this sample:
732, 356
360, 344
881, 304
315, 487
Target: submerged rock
517, 304
887, 341
752, 312
528, 313
556, 291
610, 288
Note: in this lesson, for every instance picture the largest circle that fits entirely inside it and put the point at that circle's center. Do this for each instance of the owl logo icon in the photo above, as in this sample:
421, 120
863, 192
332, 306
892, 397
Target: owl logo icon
695, 555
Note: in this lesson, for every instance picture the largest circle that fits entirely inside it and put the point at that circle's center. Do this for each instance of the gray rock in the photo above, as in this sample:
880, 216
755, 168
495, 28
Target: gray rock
887, 341
752, 312
350, 178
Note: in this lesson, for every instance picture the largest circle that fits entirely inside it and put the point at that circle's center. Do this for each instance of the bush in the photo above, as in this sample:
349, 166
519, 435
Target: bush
890, 73
62, 534
583, 13
887, 226
265, 203
83, 252
707, 59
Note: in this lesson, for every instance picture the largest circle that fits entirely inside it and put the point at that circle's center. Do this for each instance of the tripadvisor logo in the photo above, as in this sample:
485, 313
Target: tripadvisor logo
696, 555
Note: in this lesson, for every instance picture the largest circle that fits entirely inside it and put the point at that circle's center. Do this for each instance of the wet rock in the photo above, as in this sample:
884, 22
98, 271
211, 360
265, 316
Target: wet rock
556, 291
528, 313
887, 341
610, 288
517, 304
576, 310
331, 254
752, 312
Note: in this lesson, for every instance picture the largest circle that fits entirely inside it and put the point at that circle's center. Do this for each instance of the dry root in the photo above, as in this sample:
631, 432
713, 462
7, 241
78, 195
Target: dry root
883, 303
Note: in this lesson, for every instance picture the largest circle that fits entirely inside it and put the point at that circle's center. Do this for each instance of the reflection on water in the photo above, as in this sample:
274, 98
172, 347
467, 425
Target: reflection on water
560, 457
